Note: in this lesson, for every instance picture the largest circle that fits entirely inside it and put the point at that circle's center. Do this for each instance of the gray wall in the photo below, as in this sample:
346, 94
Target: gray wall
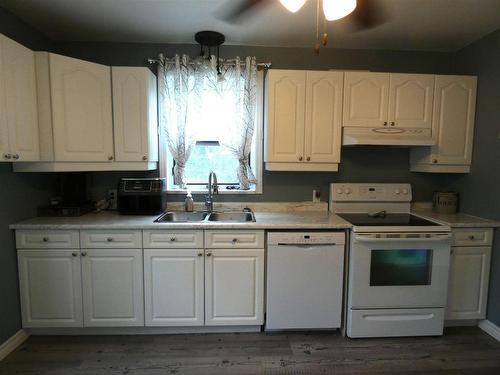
20, 194
480, 190
359, 164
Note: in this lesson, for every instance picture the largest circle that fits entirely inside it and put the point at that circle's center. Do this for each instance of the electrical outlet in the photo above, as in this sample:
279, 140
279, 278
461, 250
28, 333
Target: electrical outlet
112, 198
316, 196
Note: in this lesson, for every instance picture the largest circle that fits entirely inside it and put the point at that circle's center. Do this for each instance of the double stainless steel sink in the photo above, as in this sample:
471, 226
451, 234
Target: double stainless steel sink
222, 216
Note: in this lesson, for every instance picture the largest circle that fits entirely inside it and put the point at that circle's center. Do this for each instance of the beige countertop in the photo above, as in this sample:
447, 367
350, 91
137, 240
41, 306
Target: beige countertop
112, 220
458, 220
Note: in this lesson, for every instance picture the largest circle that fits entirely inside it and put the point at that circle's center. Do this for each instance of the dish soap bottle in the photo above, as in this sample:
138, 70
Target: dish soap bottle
188, 202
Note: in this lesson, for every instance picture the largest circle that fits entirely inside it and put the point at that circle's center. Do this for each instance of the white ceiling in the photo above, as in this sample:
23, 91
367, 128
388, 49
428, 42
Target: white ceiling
444, 25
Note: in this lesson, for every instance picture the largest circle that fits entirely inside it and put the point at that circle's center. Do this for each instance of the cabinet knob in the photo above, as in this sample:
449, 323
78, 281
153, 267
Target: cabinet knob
84, 254
45, 239
209, 254
300, 158
308, 158
74, 253
451, 251
109, 239
110, 157
393, 123
385, 123
7, 156
234, 240
434, 161
144, 157
15, 156
471, 237
172, 239
200, 254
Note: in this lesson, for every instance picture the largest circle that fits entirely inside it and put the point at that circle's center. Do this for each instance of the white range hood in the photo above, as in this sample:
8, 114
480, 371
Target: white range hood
387, 136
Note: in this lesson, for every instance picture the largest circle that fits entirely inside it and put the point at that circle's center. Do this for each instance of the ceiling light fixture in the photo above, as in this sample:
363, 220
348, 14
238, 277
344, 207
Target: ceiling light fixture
336, 9
293, 5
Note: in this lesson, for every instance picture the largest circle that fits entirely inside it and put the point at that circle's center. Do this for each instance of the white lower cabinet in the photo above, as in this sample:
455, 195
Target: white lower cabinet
234, 287
174, 287
51, 288
112, 287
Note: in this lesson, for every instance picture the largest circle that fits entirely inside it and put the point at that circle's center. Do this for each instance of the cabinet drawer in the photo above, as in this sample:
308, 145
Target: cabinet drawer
243, 239
42, 239
102, 239
472, 236
173, 239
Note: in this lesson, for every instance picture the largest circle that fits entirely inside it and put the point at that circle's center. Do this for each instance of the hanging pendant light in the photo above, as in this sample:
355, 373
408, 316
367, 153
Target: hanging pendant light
292, 5
336, 9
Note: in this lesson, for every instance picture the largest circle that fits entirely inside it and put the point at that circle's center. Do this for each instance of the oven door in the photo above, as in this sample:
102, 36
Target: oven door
399, 270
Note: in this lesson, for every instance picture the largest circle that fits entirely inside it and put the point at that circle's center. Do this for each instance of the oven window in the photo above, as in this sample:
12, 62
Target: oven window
400, 267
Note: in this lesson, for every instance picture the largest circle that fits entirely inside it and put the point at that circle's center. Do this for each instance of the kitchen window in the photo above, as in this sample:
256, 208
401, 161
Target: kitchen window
209, 131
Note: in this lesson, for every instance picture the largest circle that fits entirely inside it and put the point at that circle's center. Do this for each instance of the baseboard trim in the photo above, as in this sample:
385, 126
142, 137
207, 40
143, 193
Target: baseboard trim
12, 343
490, 328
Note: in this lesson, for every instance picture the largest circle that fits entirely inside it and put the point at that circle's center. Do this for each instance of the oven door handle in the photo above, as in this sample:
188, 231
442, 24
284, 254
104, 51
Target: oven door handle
432, 238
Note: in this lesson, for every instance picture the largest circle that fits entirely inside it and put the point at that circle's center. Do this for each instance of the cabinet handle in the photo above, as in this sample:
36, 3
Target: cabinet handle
7, 156
434, 161
110, 157
385, 123
471, 237
74, 253
200, 254
234, 241
15, 156
393, 123
300, 158
84, 254
109, 239
209, 254
451, 251
144, 157
45, 239
308, 158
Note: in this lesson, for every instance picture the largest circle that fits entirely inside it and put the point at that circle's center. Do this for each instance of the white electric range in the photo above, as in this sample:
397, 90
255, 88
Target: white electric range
398, 262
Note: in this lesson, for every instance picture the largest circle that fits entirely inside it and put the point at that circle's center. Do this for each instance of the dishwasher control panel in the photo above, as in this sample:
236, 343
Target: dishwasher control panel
306, 238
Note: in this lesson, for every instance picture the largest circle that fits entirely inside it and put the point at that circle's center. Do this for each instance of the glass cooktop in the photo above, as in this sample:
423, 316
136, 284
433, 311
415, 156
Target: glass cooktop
386, 220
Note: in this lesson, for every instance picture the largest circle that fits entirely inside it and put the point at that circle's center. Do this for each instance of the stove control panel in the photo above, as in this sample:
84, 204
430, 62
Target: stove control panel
362, 192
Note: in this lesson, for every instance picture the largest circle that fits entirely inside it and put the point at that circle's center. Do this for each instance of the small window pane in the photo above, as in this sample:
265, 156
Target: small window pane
400, 267
206, 158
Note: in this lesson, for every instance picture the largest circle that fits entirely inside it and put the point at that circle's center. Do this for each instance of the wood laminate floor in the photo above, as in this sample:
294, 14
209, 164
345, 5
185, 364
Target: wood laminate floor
465, 350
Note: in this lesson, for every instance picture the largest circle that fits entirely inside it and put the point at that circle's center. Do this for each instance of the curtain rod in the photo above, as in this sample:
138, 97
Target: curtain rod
263, 65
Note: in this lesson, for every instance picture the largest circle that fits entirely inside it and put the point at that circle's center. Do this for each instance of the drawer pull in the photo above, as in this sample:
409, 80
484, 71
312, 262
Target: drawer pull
74, 253
84, 254
109, 239
234, 241
45, 239
200, 254
209, 254
471, 237
172, 239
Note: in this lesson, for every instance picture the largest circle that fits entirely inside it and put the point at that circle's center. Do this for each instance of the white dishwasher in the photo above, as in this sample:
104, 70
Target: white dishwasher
304, 280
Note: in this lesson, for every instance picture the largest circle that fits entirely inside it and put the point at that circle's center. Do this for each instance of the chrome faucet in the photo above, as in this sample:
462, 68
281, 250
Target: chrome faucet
212, 189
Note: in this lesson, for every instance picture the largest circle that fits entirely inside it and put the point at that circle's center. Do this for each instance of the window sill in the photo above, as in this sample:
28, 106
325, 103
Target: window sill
222, 191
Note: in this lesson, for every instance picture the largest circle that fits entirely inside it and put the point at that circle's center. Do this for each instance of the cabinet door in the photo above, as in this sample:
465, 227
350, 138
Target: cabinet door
81, 110
134, 114
323, 116
50, 288
285, 123
468, 285
365, 99
4, 135
453, 119
21, 112
174, 287
112, 287
234, 287
410, 100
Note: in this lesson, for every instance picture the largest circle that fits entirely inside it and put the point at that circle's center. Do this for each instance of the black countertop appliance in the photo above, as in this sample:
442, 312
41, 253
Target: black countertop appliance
142, 196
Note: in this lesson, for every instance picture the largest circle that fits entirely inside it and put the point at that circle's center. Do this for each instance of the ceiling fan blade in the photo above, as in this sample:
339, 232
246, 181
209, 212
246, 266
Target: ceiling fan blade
235, 11
367, 15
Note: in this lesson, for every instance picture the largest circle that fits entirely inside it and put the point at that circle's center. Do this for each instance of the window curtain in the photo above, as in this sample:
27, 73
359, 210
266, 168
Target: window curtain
242, 79
176, 82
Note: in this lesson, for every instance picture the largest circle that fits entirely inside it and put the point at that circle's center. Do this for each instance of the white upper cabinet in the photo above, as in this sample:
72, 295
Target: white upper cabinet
410, 100
135, 114
19, 140
365, 99
304, 120
286, 108
81, 110
452, 125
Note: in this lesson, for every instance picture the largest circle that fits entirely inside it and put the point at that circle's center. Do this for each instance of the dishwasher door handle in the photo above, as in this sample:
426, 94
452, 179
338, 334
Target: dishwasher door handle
307, 244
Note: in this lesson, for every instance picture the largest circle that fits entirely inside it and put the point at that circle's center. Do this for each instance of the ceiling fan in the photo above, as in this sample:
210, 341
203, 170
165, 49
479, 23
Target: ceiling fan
360, 14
